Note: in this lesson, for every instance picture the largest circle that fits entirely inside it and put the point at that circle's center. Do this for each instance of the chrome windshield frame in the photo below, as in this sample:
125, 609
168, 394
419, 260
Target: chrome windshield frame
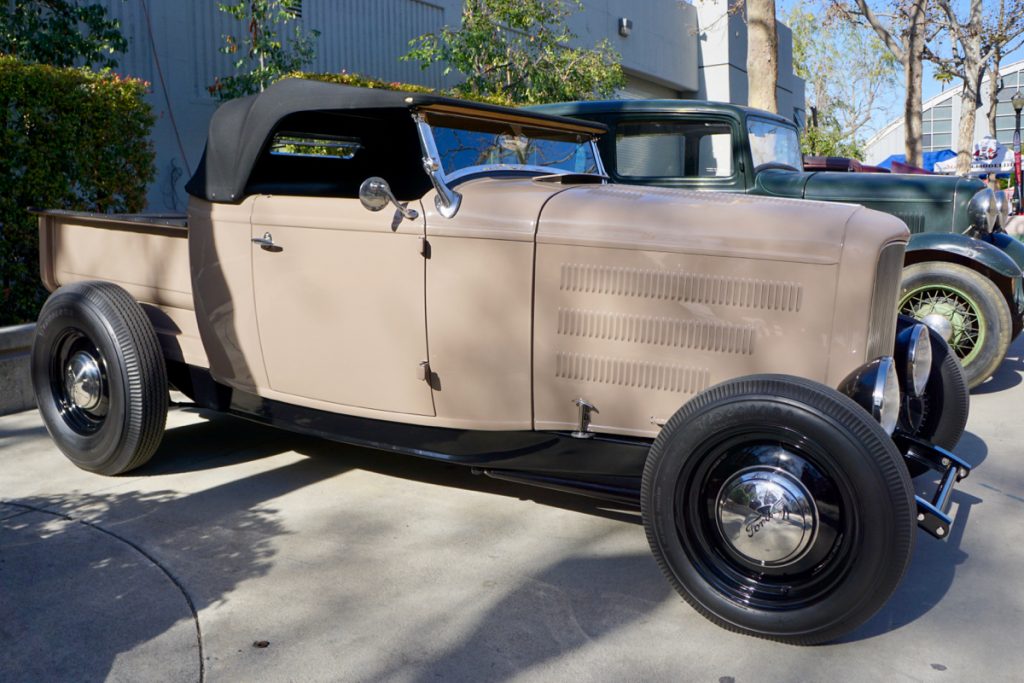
447, 200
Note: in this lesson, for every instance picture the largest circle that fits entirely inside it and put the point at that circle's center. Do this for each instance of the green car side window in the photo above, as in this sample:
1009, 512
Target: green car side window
673, 149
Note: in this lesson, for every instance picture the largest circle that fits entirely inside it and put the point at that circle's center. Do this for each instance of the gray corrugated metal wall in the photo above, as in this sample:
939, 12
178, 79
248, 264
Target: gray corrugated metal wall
365, 37
369, 36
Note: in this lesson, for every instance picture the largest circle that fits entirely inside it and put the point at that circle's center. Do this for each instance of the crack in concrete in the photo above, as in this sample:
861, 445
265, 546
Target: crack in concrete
156, 563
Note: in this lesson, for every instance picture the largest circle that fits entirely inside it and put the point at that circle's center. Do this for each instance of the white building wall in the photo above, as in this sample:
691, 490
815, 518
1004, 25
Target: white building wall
722, 61
941, 119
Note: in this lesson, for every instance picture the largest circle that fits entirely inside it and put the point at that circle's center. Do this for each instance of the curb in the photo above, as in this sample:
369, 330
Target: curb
16, 392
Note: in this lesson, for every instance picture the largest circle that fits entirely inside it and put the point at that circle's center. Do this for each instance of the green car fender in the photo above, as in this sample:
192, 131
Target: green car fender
1009, 245
1015, 249
961, 247
999, 261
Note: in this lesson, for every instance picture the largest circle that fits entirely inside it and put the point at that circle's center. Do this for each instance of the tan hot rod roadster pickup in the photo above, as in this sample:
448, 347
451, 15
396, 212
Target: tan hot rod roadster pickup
459, 281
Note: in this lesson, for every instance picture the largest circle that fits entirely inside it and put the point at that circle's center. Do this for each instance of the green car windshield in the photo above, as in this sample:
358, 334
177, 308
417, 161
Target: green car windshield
774, 143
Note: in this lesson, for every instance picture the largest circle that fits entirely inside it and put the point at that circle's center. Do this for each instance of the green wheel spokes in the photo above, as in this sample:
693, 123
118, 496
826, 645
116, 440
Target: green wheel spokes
966, 317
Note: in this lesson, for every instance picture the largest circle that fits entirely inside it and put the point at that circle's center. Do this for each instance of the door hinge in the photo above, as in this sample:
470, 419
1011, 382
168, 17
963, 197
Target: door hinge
423, 371
424, 247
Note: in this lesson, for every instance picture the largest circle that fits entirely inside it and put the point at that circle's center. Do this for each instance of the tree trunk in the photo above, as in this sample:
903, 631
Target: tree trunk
970, 96
993, 90
762, 55
913, 67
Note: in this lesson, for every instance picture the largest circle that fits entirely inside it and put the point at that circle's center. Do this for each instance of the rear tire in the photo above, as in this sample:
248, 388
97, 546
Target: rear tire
778, 508
99, 377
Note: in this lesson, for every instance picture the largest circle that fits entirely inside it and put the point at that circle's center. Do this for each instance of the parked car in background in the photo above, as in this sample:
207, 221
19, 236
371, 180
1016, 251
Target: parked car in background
841, 164
962, 272
457, 281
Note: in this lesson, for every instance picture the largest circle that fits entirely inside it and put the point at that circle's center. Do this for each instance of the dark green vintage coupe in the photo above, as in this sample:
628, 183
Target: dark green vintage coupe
962, 273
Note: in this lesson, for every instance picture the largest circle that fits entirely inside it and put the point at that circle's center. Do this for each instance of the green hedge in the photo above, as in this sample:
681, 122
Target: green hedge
69, 139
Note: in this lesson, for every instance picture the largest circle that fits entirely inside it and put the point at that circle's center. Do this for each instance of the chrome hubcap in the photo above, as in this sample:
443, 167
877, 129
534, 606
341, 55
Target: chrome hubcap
767, 516
939, 324
83, 381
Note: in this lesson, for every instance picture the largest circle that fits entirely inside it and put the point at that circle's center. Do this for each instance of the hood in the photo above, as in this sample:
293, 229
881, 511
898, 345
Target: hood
714, 224
923, 202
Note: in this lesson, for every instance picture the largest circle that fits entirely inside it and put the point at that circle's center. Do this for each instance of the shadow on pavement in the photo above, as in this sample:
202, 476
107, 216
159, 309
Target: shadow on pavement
224, 440
1009, 374
569, 605
88, 592
929, 577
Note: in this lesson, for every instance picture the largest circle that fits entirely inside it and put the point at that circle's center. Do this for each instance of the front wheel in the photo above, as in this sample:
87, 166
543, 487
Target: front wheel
778, 508
968, 305
939, 414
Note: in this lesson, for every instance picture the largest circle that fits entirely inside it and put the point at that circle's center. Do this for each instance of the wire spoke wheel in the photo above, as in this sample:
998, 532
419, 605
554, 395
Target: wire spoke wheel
964, 316
965, 307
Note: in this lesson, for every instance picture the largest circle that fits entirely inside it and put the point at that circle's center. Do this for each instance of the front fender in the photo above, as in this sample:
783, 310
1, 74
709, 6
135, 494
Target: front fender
977, 252
1010, 246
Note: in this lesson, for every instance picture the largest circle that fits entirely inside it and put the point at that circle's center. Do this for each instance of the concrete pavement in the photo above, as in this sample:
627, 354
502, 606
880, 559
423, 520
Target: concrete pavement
355, 565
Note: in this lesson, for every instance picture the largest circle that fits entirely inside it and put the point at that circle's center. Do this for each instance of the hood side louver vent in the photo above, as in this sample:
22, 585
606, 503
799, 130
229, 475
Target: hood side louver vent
914, 221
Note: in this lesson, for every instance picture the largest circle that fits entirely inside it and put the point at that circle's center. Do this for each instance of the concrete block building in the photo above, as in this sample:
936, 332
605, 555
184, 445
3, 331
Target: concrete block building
669, 49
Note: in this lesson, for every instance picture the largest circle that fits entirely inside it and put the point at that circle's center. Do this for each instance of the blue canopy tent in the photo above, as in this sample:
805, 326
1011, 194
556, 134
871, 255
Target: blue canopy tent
929, 158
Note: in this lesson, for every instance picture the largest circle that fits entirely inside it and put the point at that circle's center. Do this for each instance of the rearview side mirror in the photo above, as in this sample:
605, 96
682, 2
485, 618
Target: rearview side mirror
375, 194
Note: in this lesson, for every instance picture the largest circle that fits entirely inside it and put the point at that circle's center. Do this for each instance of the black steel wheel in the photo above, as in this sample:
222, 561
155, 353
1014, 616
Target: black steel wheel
976, 315
99, 377
778, 508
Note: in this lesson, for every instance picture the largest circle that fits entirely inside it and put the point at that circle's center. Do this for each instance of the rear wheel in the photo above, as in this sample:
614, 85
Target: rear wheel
778, 508
974, 310
99, 377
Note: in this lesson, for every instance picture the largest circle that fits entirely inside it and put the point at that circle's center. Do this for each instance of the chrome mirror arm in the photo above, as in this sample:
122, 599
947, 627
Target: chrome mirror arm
375, 194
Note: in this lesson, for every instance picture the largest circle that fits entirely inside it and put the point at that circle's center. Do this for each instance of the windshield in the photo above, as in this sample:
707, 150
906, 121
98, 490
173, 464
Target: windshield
466, 145
774, 143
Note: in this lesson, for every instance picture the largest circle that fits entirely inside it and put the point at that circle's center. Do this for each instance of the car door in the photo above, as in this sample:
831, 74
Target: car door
340, 305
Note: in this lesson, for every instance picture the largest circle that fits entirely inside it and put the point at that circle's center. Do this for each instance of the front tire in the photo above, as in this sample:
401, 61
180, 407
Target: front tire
99, 377
778, 508
971, 303
939, 415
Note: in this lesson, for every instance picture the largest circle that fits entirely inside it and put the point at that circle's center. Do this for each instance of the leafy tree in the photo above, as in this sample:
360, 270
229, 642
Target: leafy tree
518, 51
60, 32
848, 73
974, 41
270, 48
826, 139
71, 139
905, 27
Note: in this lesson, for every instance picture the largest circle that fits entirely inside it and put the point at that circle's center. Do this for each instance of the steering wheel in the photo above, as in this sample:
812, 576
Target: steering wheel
774, 165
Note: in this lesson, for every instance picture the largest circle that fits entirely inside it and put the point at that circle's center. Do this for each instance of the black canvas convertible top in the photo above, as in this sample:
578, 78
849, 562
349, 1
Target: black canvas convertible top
239, 129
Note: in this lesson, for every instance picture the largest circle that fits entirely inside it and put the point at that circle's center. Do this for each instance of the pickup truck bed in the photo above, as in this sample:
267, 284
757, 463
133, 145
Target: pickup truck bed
146, 254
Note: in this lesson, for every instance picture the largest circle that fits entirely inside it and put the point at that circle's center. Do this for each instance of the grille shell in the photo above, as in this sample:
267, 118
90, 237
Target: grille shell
882, 321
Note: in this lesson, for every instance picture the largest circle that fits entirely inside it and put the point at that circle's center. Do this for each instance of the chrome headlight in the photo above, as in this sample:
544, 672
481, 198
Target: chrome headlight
982, 212
1002, 209
876, 387
914, 358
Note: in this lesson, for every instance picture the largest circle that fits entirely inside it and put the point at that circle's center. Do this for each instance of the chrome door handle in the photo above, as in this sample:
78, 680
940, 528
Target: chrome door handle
266, 242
